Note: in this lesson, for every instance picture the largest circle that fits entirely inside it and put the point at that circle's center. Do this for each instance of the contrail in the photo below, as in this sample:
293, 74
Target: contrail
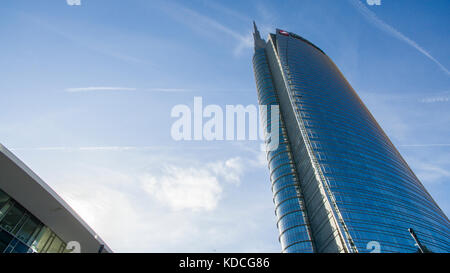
99, 88
373, 18
426, 145
110, 88
108, 148
205, 24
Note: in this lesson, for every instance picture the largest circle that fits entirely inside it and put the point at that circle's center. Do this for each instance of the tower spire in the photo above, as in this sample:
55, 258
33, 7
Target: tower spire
259, 43
256, 32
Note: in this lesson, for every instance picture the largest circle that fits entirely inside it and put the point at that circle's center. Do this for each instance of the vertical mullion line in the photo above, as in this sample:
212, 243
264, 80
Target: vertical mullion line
345, 237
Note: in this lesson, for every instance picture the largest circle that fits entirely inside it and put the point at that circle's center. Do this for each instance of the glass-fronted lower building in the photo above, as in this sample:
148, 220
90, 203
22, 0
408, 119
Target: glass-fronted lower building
339, 184
21, 232
34, 219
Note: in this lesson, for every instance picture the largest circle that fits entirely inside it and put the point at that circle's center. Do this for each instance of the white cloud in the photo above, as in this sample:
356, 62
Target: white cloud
431, 173
257, 159
373, 18
245, 42
193, 188
90, 148
230, 170
184, 188
108, 148
156, 209
261, 159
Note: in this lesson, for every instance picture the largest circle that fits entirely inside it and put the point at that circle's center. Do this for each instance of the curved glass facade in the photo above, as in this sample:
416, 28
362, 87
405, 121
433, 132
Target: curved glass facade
21, 232
288, 200
355, 172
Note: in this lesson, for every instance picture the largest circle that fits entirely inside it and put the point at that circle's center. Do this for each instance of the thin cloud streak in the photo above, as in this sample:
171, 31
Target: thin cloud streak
111, 88
111, 148
227, 11
436, 99
98, 88
265, 25
184, 15
426, 145
90, 148
373, 18
168, 89
91, 45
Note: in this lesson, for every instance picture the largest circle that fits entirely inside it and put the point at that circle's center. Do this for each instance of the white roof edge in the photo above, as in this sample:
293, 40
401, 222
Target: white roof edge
51, 194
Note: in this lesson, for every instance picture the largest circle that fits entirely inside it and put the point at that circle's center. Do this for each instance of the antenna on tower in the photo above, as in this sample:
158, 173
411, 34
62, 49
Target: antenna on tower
259, 43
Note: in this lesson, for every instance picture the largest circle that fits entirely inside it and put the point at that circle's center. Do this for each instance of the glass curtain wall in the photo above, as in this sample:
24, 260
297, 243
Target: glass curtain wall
21, 232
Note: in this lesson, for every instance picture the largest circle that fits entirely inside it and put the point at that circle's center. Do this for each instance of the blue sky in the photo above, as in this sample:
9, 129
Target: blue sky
87, 92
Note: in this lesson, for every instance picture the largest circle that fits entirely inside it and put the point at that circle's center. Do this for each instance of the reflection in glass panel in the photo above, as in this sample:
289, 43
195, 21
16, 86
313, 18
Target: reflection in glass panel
21, 248
12, 218
42, 240
67, 250
5, 238
4, 198
28, 229
21, 232
63, 249
35, 234
20, 223
56, 245
4, 209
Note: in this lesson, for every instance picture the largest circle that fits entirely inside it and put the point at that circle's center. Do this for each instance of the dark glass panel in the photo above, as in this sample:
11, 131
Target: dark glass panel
28, 229
12, 218
4, 198
5, 239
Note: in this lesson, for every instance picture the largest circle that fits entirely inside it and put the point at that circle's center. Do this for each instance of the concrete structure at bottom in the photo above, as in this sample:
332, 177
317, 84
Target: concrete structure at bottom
34, 219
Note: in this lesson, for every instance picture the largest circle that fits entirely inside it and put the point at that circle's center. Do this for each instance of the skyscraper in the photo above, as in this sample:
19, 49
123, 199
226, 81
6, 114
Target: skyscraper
339, 184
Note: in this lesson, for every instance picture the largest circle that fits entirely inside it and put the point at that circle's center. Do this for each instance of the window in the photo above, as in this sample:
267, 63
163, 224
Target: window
4, 209
4, 204
4, 198
21, 232
56, 246
41, 241
5, 238
29, 229
12, 218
